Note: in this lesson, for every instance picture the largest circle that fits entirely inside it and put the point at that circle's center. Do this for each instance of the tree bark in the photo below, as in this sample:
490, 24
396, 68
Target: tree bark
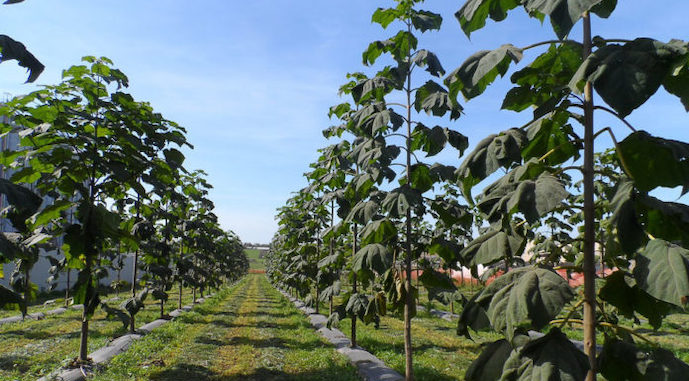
354, 250
409, 369
589, 218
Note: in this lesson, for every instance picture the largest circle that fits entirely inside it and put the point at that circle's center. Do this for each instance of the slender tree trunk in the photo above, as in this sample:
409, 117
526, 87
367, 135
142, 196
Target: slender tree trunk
69, 272
318, 255
119, 266
408, 370
179, 297
83, 344
589, 219
332, 248
132, 323
27, 293
354, 250
136, 252
193, 295
417, 285
162, 308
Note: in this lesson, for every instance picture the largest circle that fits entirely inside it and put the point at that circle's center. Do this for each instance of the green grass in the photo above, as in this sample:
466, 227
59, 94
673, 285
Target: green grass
33, 348
256, 261
247, 332
439, 354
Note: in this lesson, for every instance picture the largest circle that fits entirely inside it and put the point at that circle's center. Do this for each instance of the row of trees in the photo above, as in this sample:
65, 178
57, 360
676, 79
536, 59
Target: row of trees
96, 175
374, 212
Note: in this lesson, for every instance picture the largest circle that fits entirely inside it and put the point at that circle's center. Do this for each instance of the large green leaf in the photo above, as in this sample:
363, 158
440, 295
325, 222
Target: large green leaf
379, 231
86, 292
540, 83
447, 250
357, 304
425, 20
428, 59
494, 152
563, 13
630, 232
553, 138
434, 99
451, 212
621, 290
488, 365
526, 297
655, 162
401, 199
398, 46
22, 199
621, 361
493, 246
10, 247
678, 84
433, 140
664, 219
473, 14
514, 193
421, 178
627, 75
15, 50
8, 296
551, 357
385, 16
662, 270
372, 88
473, 316
363, 212
431, 278
372, 257
481, 69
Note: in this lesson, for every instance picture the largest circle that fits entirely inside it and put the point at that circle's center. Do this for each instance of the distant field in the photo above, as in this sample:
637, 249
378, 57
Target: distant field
256, 261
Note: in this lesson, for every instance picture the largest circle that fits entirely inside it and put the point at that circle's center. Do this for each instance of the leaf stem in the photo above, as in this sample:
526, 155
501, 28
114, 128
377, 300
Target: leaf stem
549, 42
572, 311
612, 112
617, 149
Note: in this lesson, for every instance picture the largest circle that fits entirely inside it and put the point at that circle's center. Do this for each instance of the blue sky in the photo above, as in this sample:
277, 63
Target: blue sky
252, 80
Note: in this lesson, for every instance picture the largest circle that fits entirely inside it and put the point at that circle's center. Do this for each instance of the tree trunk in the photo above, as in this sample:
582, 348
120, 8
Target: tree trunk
83, 345
589, 219
332, 246
354, 250
27, 293
119, 266
179, 297
408, 370
83, 342
162, 308
69, 271
132, 324
136, 252
134, 264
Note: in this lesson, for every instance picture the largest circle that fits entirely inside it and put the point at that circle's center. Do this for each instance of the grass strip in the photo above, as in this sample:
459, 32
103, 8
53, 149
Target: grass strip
247, 332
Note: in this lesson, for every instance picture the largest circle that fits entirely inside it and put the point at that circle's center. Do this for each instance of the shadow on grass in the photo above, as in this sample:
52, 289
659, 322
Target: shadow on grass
275, 342
185, 372
194, 372
11, 362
